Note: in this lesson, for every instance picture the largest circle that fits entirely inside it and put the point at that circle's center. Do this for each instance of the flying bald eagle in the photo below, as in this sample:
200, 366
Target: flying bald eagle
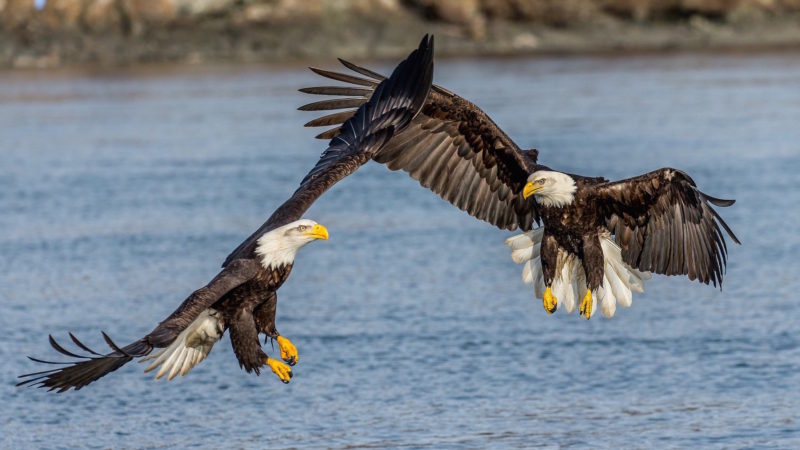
598, 240
242, 297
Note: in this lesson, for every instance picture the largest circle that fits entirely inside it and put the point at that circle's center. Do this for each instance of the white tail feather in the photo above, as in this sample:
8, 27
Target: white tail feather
573, 291
608, 301
637, 279
569, 284
189, 348
521, 255
558, 289
621, 291
527, 272
170, 358
519, 241
627, 275
538, 280
176, 366
525, 240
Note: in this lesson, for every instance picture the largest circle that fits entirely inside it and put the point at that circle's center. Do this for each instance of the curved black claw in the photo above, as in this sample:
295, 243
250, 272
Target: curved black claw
288, 350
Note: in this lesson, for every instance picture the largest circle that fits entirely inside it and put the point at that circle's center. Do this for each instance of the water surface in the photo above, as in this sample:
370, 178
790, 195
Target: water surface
120, 193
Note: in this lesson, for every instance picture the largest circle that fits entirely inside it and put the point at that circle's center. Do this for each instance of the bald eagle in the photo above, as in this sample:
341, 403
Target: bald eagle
242, 297
597, 240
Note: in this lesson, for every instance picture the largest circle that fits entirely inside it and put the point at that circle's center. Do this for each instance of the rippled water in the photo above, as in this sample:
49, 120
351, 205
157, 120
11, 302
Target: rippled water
120, 193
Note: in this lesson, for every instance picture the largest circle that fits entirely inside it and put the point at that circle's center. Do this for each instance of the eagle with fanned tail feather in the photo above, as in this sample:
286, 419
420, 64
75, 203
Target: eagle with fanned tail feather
242, 297
596, 241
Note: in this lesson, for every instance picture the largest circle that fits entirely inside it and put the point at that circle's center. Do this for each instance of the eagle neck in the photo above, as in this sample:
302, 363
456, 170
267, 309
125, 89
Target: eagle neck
557, 200
561, 194
274, 252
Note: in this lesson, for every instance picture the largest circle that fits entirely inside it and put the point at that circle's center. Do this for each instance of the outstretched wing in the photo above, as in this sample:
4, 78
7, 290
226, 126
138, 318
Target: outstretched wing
452, 148
390, 109
93, 365
664, 224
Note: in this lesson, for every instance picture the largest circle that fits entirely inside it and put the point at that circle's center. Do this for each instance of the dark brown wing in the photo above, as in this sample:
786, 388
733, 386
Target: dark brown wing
389, 110
452, 148
664, 224
94, 365
232, 275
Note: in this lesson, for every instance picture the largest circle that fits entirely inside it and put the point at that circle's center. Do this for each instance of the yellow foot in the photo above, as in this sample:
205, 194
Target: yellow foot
586, 305
549, 301
280, 369
288, 350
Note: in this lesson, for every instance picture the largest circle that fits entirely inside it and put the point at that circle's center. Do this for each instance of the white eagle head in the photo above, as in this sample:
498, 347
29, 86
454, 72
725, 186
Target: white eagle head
278, 247
550, 188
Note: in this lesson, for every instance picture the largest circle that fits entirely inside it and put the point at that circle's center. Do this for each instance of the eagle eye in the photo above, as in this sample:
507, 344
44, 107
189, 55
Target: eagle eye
540, 181
302, 228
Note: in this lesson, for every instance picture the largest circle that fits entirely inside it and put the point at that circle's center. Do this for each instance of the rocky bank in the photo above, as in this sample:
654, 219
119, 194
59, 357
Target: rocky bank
120, 32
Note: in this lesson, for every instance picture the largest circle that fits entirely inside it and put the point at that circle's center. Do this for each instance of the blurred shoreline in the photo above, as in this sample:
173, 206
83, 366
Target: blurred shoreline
113, 33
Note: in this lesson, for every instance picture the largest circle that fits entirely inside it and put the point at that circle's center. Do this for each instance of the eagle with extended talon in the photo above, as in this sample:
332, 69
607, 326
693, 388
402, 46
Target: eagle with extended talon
600, 239
242, 297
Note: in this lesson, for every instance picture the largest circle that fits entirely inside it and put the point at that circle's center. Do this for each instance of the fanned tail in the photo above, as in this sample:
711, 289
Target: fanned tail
569, 284
190, 347
78, 374
525, 250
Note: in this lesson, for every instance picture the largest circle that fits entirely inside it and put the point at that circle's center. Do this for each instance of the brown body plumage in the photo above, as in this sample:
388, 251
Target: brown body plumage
249, 309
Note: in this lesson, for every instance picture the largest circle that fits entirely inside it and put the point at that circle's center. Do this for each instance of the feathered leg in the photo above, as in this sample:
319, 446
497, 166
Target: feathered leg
244, 338
265, 323
594, 266
549, 257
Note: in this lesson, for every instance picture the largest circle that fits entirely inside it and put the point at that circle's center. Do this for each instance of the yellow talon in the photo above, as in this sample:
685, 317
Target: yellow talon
288, 350
549, 301
280, 369
586, 305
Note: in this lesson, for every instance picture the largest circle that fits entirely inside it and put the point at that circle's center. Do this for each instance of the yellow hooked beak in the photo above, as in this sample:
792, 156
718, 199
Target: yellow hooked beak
318, 232
530, 189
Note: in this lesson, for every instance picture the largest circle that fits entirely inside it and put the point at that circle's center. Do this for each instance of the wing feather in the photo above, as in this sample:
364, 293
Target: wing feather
331, 119
338, 90
338, 103
344, 77
391, 107
469, 135
361, 70
78, 374
433, 163
664, 224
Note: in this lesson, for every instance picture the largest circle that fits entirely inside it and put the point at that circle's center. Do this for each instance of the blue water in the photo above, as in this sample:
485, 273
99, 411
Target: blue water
121, 192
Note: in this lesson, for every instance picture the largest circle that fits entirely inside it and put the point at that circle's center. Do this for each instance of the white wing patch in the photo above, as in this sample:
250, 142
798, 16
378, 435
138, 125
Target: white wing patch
189, 348
569, 284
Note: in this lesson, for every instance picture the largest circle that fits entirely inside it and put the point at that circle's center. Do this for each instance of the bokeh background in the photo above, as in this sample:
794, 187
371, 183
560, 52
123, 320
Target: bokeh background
140, 142
48, 33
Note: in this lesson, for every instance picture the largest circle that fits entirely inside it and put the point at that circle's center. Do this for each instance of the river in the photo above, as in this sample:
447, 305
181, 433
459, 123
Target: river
121, 191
